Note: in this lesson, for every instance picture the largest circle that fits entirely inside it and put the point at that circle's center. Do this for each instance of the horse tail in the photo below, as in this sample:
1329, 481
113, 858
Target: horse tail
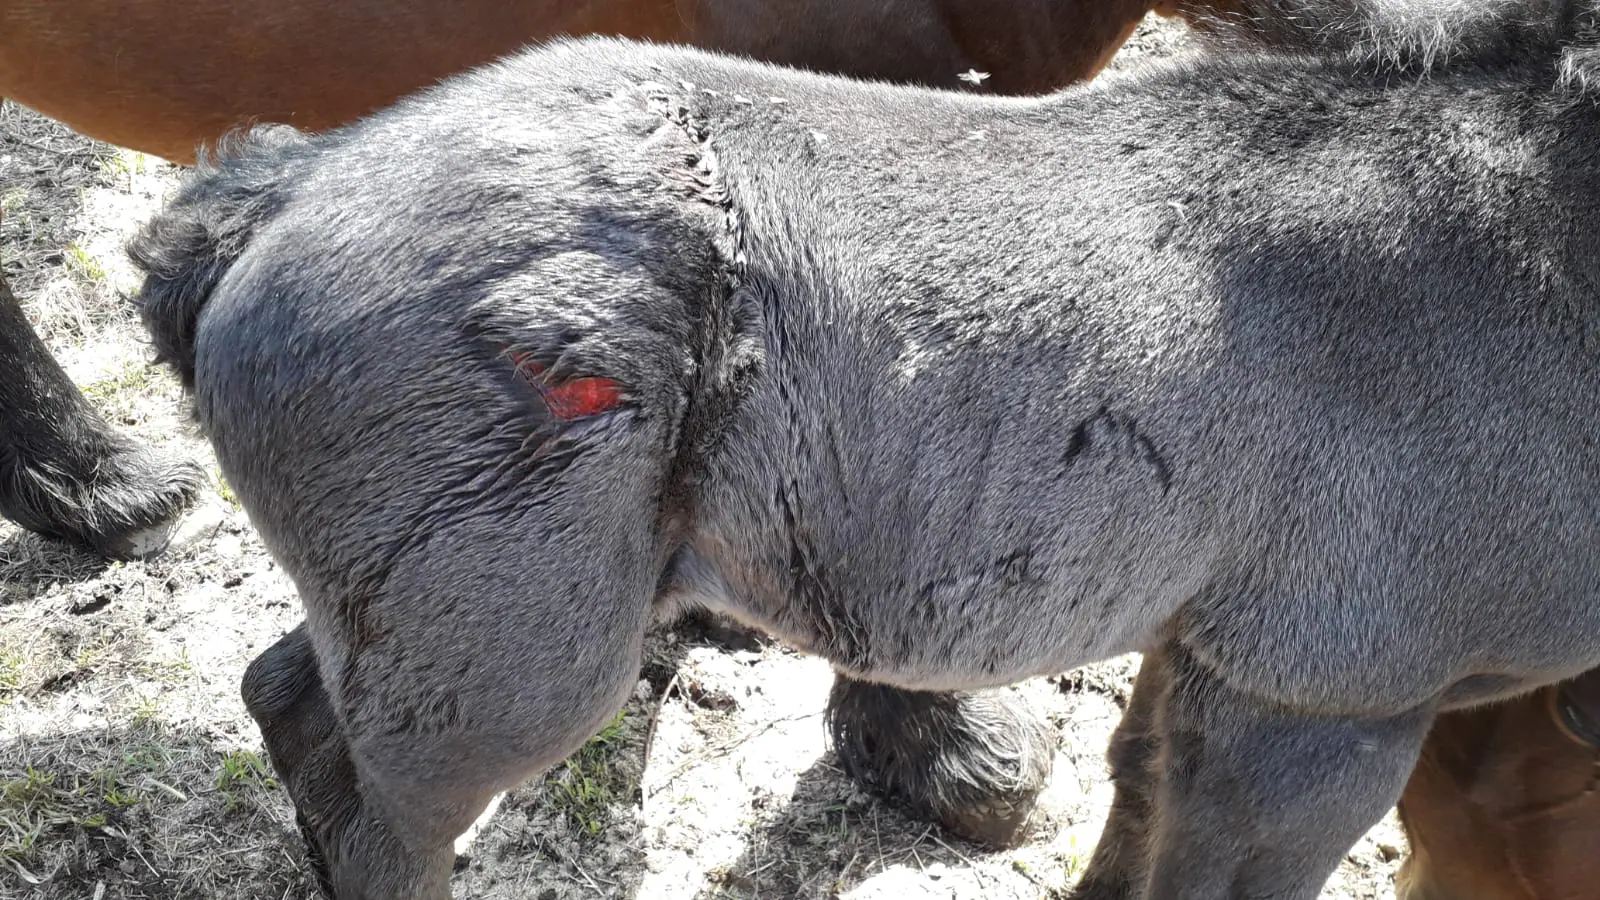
185, 251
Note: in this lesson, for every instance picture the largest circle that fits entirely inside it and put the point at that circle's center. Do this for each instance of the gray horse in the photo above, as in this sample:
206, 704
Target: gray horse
1278, 365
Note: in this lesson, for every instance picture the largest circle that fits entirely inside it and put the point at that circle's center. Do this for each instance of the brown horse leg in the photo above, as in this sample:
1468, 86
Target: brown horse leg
64, 472
1504, 805
974, 762
1119, 867
1455, 853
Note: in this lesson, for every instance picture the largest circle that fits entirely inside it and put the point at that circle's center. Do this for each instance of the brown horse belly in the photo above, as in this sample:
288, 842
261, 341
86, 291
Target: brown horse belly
163, 77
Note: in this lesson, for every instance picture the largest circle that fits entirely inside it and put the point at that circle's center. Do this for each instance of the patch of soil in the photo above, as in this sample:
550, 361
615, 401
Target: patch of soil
129, 769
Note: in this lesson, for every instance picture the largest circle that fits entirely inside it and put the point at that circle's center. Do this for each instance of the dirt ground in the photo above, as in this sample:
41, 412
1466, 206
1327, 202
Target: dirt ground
128, 768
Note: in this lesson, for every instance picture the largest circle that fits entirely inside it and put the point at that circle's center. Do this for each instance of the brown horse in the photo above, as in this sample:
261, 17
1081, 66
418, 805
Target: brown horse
1505, 802
164, 77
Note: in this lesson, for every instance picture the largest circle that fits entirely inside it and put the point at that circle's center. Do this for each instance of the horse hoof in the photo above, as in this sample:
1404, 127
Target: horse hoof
283, 692
125, 503
999, 823
190, 527
975, 763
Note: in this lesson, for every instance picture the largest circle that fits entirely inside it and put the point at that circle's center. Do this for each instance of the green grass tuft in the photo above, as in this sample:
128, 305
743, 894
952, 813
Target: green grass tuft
12, 665
244, 776
83, 264
13, 201
587, 786
225, 490
35, 805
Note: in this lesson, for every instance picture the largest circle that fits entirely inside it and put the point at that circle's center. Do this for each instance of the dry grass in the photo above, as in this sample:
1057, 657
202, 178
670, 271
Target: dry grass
45, 174
146, 809
126, 764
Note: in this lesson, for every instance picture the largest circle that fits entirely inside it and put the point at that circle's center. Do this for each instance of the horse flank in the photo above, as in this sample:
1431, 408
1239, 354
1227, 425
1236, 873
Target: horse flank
1421, 36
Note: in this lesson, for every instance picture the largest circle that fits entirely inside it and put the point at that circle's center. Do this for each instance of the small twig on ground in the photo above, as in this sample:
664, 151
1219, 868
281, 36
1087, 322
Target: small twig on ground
977, 871
877, 836
139, 853
57, 151
844, 874
655, 716
586, 877
921, 866
726, 748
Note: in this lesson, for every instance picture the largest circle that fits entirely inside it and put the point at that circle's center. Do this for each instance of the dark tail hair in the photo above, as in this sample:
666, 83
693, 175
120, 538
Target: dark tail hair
187, 248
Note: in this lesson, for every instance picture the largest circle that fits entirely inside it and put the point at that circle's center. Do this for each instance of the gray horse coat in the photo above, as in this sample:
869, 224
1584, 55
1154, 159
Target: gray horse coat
1281, 367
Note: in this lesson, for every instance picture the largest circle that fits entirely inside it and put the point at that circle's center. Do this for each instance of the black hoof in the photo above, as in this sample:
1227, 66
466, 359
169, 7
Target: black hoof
64, 471
283, 692
353, 855
975, 763
111, 497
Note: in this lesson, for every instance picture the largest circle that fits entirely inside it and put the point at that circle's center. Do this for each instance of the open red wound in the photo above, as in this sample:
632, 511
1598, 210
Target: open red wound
574, 398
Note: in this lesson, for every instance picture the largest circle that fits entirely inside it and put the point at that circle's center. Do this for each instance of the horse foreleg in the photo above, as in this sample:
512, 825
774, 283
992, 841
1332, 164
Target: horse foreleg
64, 471
1259, 800
1120, 864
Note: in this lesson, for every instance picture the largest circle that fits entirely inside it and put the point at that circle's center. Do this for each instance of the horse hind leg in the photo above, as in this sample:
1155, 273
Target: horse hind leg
974, 762
459, 680
64, 471
283, 692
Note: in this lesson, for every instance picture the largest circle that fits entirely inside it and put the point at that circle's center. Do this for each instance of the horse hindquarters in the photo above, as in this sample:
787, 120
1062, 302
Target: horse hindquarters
454, 662
477, 571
